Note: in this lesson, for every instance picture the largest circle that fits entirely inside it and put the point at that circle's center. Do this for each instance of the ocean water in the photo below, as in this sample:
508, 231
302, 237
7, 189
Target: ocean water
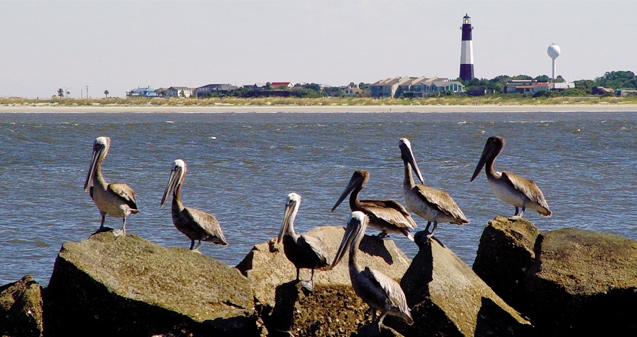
242, 166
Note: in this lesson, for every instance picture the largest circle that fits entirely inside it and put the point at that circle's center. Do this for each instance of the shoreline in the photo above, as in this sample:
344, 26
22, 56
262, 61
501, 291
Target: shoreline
318, 109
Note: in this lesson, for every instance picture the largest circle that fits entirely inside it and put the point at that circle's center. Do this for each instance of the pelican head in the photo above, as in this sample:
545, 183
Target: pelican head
408, 157
491, 150
292, 204
176, 178
100, 149
358, 180
356, 226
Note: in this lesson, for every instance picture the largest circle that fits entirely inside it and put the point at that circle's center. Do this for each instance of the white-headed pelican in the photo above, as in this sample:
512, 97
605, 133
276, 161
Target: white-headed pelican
115, 199
431, 204
389, 216
195, 224
302, 250
378, 290
508, 187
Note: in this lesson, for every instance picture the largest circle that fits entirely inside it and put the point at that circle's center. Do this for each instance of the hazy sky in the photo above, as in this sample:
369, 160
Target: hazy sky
121, 45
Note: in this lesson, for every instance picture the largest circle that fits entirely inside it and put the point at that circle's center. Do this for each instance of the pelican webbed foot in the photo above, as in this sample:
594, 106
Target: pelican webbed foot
383, 235
308, 285
119, 232
372, 329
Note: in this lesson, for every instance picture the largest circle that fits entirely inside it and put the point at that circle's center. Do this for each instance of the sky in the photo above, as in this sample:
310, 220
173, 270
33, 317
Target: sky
93, 46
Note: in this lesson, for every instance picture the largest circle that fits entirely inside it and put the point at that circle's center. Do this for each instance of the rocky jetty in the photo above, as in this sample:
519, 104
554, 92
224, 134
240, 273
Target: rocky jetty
566, 282
570, 282
448, 299
21, 309
127, 286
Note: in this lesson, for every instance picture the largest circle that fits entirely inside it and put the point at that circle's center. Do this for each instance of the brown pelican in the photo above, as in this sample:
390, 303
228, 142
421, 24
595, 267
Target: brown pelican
195, 224
302, 250
378, 290
508, 187
386, 215
429, 203
115, 199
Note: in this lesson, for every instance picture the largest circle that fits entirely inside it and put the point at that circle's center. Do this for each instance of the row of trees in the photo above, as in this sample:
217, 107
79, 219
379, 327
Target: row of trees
613, 80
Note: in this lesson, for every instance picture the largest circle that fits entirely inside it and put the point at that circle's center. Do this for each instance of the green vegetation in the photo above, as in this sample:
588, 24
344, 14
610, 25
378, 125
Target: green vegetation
315, 95
614, 80
494, 99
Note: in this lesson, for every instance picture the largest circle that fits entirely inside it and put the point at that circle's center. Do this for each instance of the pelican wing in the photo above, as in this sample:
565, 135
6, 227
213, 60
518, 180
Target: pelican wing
206, 223
126, 193
526, 187
441, 201
390, 211
390, 290
315, 245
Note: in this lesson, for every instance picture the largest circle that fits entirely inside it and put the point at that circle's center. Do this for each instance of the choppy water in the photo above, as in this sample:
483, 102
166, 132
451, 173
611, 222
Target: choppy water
242, 166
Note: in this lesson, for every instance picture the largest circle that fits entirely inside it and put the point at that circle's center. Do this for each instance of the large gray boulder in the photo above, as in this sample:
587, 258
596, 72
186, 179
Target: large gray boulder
448, 299
267, 267
505, 255
583, 283
21, 309
332, 309
127, 286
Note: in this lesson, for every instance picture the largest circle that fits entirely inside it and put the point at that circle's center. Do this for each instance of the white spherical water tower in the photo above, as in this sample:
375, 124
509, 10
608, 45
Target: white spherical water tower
554, 52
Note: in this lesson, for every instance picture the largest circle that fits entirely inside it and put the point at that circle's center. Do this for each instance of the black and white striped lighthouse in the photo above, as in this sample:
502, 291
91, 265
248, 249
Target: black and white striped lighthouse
466, 57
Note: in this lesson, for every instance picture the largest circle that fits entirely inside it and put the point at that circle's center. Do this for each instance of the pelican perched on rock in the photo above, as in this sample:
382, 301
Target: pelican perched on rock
302, 250
376, 289
389, 216
115, 199
195, 224
508, 187
431, 204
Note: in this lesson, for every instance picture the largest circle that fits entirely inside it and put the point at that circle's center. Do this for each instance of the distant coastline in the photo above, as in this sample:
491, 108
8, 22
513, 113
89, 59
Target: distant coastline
488, 103
315, 108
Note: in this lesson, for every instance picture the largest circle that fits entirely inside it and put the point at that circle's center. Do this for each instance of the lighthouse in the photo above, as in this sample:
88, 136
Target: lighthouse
466, 56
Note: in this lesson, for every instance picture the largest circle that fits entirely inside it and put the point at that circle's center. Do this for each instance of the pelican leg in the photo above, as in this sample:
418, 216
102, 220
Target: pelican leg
121, 232
427, 228
381, 318
297, 273
197, 247
101, 229
309, 285
433, 230
192, 243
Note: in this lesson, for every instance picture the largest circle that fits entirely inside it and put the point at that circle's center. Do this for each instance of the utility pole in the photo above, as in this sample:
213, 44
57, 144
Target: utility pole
87, 92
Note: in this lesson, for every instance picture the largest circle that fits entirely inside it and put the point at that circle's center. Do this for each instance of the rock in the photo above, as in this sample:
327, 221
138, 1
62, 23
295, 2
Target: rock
448, 299
127, 286
583, 283
267, 267
21, 308
504, 256
327, 311
332, 309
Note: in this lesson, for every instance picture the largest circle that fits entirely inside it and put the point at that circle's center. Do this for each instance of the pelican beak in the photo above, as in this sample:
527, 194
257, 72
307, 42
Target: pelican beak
491, 149
289, 209
97, 151
480, 166
408, 157
355, 225
173, 181
353, 182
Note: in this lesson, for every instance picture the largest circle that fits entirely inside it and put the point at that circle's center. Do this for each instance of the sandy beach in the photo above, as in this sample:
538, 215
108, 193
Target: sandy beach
315, 109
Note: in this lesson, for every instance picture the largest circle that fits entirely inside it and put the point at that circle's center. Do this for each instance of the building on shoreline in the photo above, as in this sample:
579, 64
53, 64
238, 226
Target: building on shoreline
394, 87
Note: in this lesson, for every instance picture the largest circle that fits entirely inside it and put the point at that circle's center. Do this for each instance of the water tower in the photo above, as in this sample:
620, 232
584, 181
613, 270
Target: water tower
554, 52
